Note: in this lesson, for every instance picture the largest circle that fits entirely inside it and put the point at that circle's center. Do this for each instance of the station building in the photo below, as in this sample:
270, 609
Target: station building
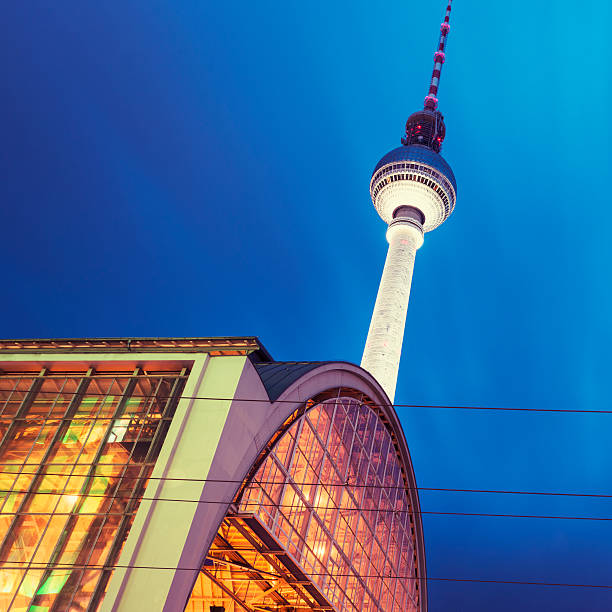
199, 475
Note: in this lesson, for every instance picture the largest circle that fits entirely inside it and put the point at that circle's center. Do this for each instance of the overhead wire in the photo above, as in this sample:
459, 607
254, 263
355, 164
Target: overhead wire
305, 484
72, 566
297, 506
301, 400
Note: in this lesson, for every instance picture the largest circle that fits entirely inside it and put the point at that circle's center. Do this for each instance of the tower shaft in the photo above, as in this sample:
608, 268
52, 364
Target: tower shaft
383, 348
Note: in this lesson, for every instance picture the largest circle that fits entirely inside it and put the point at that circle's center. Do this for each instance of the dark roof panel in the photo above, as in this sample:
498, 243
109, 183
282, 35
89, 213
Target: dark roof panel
280, 375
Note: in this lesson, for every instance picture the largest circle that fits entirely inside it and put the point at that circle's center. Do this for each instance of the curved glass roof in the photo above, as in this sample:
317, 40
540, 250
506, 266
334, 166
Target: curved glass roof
332, 493
418, 153
325, 523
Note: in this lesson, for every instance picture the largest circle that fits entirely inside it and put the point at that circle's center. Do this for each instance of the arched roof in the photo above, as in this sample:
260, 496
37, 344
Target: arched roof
370, 387
291, 387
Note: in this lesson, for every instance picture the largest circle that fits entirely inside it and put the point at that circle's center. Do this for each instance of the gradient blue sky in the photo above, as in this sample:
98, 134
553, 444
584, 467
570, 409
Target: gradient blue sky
198, 168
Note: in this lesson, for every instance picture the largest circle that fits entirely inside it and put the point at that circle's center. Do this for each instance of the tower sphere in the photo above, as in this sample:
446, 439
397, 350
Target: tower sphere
414, 175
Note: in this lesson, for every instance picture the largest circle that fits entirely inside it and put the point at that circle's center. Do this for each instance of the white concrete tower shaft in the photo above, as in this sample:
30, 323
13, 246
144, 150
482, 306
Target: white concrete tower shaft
383, 347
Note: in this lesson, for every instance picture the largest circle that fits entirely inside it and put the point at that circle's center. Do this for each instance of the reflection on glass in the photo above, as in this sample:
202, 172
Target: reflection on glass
332, 493
75, 455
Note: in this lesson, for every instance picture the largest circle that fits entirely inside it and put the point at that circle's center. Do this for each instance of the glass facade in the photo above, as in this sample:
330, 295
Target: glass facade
331, 494
76, 450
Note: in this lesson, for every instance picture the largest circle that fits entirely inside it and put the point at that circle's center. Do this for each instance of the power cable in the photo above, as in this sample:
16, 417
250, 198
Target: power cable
297, 507
71, 566
304, 484
301, 401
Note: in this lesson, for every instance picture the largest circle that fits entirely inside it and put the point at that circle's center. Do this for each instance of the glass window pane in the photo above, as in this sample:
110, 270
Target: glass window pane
339, 510
75, 455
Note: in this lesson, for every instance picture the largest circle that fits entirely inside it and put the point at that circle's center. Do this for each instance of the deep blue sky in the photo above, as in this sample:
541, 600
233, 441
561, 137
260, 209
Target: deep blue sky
198, 168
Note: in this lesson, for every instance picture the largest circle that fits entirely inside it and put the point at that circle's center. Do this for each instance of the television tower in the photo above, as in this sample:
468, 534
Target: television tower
414, 191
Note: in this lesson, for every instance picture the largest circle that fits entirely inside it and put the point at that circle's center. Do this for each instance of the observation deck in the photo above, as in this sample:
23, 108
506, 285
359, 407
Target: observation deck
416, 176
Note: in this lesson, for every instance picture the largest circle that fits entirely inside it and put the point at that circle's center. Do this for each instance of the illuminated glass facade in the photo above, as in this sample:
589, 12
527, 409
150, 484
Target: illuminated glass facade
324, 523
76, 451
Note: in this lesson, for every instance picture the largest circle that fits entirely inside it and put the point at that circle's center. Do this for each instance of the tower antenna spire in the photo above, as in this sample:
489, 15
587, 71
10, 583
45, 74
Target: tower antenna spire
431, 100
